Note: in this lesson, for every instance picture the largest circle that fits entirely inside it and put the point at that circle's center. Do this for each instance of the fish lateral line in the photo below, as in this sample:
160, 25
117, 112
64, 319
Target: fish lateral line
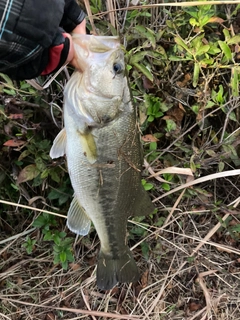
103, 165
100, 178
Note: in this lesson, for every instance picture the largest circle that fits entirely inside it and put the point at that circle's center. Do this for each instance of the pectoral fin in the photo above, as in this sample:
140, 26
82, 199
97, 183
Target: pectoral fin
89, 146
77, 219
59, 145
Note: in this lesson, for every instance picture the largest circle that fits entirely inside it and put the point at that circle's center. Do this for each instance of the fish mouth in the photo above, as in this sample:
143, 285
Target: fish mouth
96, 43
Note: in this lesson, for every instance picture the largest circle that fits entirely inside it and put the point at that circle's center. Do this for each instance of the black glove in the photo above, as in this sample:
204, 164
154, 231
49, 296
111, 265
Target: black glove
31, 41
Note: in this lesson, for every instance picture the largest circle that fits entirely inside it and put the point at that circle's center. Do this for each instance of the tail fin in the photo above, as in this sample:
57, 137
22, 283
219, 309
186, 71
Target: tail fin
110, 271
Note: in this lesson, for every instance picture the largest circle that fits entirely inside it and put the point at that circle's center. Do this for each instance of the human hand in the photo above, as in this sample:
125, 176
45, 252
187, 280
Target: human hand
80, 29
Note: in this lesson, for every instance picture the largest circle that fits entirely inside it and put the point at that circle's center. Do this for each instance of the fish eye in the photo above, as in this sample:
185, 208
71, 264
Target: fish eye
117, 68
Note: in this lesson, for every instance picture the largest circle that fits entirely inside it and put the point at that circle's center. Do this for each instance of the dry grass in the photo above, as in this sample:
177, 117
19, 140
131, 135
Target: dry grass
190, 274
192, 271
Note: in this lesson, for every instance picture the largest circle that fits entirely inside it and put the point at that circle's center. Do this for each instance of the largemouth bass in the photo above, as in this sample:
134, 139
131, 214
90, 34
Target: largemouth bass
101, 141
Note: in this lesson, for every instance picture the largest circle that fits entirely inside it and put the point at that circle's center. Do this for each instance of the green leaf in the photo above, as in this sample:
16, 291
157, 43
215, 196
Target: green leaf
151, 36
150, 119
219, 96
45, 220
171, 125
193, 22
44, 174
140, 29
7, 79
158, 114
44, 145
148, 186
235, 82
156, 107
144, 70
166, 186
225, 49
232, 116
164, 107
24, 85
24, 154
192, 11
168, 176
226, 34
54, 194
39, 222
70, 256
40, 164
221, 166
234, 40
54, 175
145, 249
146, 33
137, 57
211, 153
63, 256
190, 259
48, 236
213, 50
236, 228
204, 20
235, 11
65, 265
137, 230
94, 10
170, 24
229, 148
10, 92
195, 108
181, 43
62, 234
202, 50
64, 198
207, 61
14, 187
56, 259
28, 173
196, 74
175, 58
153, 146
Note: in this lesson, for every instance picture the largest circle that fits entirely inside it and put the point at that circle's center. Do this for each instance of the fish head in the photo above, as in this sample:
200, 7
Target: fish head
90, 48
94, 95
101, 61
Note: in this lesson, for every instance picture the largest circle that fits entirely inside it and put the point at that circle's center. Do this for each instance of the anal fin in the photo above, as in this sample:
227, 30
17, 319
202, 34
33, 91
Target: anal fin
77, 219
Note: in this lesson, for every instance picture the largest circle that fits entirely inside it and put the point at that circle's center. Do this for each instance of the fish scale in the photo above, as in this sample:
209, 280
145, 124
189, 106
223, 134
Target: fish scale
102, 144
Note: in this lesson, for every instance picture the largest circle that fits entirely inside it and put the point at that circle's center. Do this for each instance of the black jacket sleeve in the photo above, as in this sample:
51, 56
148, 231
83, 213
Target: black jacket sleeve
72, 15
28, 30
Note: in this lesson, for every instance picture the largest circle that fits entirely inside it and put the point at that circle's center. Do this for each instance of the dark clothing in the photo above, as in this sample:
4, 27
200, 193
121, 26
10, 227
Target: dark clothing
31, 30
